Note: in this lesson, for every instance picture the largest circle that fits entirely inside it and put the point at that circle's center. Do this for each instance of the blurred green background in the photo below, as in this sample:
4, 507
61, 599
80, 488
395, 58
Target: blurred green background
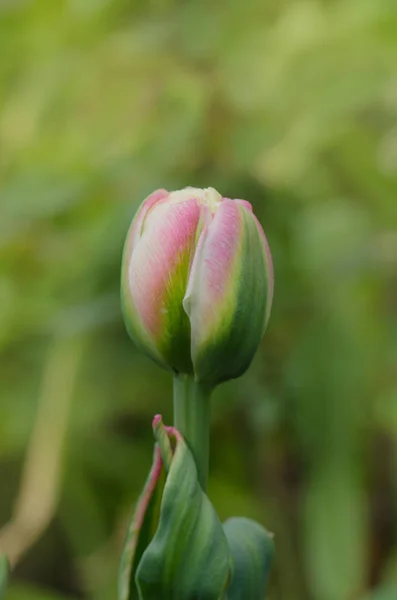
290, 104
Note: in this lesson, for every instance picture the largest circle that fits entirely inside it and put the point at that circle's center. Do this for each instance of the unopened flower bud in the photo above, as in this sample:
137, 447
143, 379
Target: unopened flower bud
197, 283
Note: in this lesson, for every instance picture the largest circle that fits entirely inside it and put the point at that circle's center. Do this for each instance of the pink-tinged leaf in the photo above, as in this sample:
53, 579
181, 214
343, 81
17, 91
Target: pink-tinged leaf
176, 547
142, 527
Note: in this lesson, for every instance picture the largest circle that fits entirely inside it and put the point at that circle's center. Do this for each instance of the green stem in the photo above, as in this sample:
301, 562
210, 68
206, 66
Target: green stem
192, 419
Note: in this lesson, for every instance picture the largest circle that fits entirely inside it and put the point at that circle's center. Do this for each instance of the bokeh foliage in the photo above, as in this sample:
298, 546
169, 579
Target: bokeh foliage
291, 104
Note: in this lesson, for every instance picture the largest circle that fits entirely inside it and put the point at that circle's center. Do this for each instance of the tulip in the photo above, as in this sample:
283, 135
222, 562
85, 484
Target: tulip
197, 290
197, 283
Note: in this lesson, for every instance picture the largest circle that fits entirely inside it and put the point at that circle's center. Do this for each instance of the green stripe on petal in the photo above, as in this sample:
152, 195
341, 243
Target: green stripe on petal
174, 344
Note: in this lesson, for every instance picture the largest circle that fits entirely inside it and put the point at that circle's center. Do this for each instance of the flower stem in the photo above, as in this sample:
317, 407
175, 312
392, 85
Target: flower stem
192, 419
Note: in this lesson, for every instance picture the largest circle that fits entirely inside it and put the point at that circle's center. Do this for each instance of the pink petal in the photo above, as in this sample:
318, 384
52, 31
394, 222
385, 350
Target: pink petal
212, 271
135, 230
246, 204
167, 238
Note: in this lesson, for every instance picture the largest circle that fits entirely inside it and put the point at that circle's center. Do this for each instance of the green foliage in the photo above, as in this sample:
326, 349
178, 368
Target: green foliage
184, 552
291, 105
176, 546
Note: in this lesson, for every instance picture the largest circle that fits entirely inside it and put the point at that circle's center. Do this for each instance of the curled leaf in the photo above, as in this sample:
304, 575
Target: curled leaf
142, 528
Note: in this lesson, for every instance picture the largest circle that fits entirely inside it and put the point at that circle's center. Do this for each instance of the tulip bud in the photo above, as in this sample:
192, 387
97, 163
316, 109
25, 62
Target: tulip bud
197, 283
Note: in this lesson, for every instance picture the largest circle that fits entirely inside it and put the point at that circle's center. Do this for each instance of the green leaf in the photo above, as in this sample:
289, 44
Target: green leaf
3, 575
176, 546
252, 549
